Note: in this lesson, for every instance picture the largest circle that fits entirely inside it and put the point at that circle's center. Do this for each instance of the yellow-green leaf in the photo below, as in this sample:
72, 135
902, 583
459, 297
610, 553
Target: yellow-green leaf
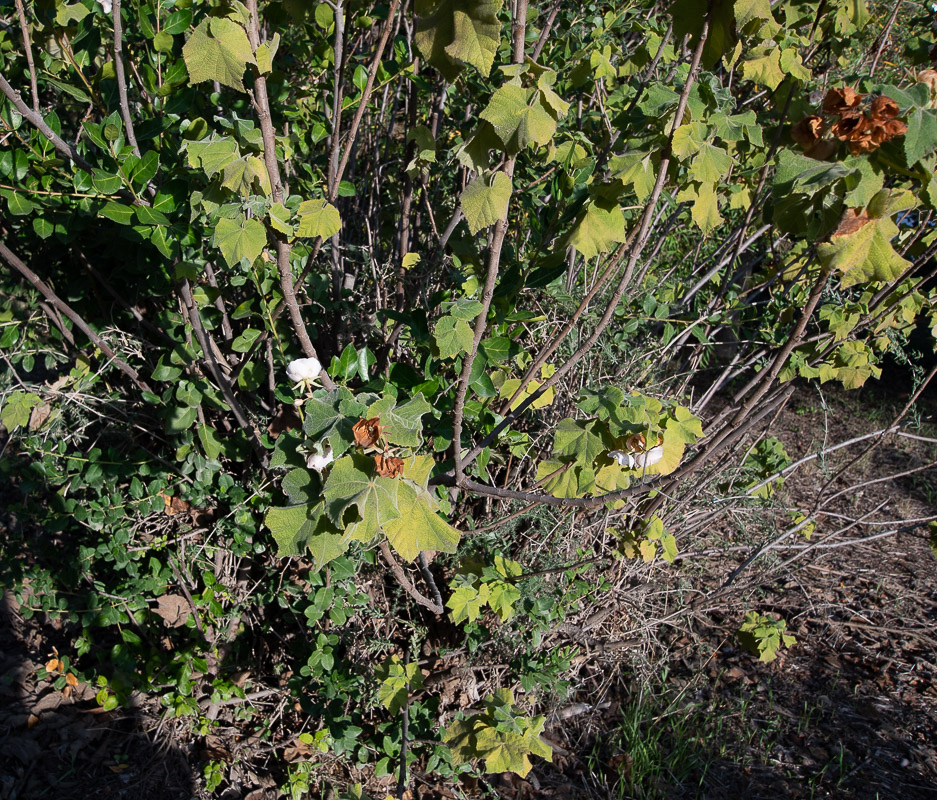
419, 527
318, 218
218, 50
239, 238
485, 200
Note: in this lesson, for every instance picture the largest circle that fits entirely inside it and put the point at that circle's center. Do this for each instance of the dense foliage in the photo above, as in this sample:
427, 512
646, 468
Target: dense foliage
347, 282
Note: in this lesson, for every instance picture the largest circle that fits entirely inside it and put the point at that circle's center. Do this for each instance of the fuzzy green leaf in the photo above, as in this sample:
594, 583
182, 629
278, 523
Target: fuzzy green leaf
867, 254
239, 238
403, 425
352, 482
318, 218
218, 50
451, 33
453, 336
418, 526
485, 200
17, 408
598, 229
519, 118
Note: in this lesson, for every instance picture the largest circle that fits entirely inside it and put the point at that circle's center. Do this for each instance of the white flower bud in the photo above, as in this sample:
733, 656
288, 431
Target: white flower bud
297, 402
107, 5
320, 462
303, 369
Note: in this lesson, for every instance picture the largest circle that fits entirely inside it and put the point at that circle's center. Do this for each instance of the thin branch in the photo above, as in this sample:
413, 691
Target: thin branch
883, 39
28, 47
10, 257
261, 104
365, 95
494, 260
406, 584
428, 577
640, 240
121, 78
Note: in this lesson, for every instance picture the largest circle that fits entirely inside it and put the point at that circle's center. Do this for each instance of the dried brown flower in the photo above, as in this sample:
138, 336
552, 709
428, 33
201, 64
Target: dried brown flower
883, 108
808, 131
388, 466
838, 101
367, 431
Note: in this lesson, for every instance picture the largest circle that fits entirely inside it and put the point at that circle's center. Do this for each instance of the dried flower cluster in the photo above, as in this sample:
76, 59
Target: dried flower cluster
863, 128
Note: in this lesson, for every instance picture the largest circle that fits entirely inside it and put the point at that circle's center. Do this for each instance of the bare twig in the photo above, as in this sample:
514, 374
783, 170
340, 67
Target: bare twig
406, 584
28, 47
261, 104
121, 79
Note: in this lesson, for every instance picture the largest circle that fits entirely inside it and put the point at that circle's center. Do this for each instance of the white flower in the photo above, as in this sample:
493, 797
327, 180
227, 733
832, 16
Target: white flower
107, 5
303, 370
638, 460
320, 462
624, 459
650, 458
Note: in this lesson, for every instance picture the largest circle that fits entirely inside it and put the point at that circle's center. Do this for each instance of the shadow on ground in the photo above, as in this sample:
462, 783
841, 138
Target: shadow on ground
66, 747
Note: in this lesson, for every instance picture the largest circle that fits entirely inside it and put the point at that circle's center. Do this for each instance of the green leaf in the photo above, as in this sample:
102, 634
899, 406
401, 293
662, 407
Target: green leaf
418, 526
685, 425
466, 602
502, 598
508, 751
705, 211
265, 54
244, 342
397, 679
291, 527
239, 238
485, 200
17, 408
764, 68
710, 164
403, 425
565, 480
212, 445
512, 384
575, 440
329, 416
598, 228
689, 138
218, 50
453, 336
519, 117
279, 216
318, 218
117, 212
921, 137
450, 33
240, 174
352, 482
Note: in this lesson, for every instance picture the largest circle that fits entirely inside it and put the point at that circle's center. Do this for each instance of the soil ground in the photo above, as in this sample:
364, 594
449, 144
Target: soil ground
668, 709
